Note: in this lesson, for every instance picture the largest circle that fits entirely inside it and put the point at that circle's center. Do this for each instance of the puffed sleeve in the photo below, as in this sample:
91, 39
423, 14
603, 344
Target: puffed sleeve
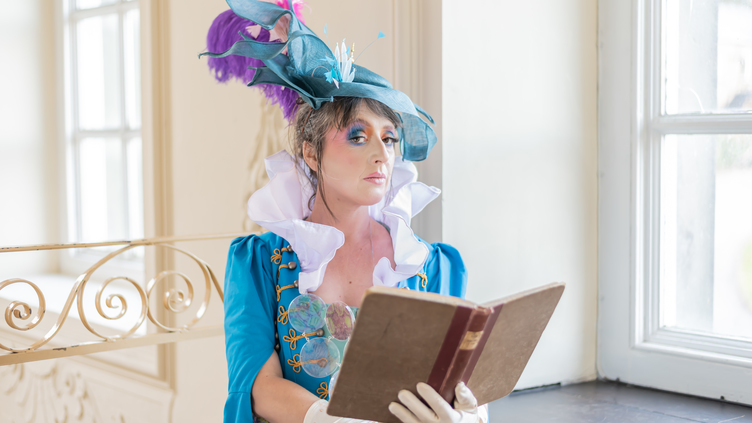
445, 271
249, 300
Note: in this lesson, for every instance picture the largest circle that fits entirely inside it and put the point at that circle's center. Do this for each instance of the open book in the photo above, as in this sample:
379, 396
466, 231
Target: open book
403, 337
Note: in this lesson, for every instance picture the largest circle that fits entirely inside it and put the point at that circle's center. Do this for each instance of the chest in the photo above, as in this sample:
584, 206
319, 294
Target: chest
347, 278
350, 273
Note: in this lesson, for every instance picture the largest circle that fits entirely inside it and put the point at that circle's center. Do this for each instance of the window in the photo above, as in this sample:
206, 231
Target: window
684, 201
705, 165
103, 121
103, 143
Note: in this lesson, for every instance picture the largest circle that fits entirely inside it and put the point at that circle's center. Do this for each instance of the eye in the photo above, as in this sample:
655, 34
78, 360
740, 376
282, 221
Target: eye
358, 139
356, 135
390, 140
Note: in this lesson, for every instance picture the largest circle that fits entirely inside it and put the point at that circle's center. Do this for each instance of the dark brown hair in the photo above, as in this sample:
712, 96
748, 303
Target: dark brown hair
311, 126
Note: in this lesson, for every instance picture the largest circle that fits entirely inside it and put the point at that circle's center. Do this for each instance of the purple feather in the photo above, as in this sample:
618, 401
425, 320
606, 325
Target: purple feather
224, 32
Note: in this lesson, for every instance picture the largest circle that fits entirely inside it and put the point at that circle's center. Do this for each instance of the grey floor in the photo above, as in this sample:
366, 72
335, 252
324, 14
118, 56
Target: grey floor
601, 401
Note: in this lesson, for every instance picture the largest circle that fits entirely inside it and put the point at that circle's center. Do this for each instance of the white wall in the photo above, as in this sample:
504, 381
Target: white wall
27, 135
519, 169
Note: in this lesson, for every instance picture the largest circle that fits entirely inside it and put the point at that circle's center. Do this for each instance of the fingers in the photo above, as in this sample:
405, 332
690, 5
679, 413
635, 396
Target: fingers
402, 413
443, 410
464, 400
415, 411
416, 406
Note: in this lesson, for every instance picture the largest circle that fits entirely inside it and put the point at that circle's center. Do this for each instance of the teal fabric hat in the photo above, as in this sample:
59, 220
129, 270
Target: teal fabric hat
318, 74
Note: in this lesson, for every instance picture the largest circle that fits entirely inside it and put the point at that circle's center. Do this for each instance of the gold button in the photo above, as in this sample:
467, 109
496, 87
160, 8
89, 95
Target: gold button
276, 347
320, 332
276, 335
295, 284
292, 265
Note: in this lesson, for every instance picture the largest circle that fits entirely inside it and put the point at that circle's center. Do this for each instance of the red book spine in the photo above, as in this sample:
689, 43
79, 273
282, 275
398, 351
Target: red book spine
461, 341
449, 347
492, 317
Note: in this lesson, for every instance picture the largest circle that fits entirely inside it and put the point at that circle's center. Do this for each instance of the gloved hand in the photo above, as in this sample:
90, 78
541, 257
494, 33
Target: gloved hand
317, 414
465, 409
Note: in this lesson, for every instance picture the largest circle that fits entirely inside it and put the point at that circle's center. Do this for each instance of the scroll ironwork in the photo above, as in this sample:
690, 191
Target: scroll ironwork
22, 316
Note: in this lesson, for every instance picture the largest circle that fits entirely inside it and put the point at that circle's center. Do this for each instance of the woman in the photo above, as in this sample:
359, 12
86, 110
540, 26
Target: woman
338, 213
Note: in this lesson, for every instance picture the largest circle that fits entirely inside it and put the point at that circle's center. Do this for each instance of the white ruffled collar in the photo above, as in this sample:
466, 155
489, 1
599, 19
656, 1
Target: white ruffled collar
282, 204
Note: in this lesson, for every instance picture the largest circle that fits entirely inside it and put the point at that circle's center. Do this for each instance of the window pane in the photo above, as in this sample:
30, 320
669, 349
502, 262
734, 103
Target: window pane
708, 56
104, 213
98, 69
706, 233
135, 189
88, 4
132, 68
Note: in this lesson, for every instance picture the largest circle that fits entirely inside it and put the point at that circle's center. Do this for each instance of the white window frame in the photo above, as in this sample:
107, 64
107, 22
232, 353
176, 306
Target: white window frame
154, 365
632, 347
73, 262
149, 362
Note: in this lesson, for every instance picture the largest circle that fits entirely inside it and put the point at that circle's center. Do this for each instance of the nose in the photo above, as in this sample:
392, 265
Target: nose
378, 150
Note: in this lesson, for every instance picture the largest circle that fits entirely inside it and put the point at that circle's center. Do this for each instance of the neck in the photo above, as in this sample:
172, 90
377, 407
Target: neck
351, 220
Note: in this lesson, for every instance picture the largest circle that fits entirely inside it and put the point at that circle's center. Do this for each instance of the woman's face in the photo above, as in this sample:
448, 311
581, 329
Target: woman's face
357, 160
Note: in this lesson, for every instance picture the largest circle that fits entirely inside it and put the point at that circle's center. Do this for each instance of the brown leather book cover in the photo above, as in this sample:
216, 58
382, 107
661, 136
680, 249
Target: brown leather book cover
403, 337
510, 342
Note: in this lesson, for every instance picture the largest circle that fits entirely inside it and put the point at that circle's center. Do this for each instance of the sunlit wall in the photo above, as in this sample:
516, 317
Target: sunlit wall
519, 169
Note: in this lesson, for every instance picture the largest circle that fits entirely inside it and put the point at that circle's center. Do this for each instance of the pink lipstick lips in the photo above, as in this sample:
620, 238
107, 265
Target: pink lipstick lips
377, 178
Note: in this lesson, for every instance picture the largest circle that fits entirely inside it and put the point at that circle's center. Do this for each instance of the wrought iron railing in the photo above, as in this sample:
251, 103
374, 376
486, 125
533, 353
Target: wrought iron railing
21, 316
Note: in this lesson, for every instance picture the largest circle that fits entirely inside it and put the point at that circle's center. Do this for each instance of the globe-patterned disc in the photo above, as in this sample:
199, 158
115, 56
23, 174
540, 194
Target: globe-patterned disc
333, 382
319, 357
340, 320
307, 313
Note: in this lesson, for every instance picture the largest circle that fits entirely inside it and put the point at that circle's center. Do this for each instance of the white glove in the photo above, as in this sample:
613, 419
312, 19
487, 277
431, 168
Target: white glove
465, 409
317, 414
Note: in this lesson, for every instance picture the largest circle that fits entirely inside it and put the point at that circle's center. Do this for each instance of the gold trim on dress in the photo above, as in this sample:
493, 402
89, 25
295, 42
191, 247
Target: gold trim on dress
323, 390
282, 318
295, 363
277, 256
280, 289
294, 337
424, 279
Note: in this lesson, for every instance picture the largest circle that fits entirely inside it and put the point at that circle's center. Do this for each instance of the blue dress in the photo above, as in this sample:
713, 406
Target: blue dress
260, 283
